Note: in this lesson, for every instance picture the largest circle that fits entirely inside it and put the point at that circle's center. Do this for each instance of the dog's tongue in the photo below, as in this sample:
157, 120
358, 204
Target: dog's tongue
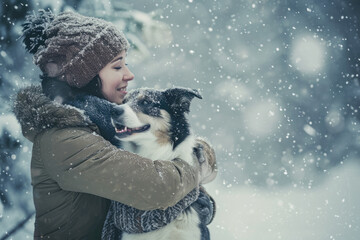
130, 130
125, 129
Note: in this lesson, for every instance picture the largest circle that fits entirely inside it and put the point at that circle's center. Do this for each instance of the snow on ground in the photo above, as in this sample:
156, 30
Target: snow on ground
329, 211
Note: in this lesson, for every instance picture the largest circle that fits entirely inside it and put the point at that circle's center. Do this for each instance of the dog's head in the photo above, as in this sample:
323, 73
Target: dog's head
149, 114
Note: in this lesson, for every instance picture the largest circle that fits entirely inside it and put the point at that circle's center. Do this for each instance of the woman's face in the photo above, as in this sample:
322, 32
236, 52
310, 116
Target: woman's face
114, 79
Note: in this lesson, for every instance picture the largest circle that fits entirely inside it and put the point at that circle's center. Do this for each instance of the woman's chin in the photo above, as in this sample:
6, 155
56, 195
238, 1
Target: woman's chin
119, 100
116, 98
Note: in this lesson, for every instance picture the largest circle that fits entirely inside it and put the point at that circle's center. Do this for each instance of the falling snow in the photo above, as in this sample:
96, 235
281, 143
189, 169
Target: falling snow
280, 87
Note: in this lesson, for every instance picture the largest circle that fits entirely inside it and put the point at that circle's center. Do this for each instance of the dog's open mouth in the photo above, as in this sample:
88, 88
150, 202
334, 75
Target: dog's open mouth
123, 131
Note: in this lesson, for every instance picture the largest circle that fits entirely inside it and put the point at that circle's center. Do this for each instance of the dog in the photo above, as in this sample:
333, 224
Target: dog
153, 124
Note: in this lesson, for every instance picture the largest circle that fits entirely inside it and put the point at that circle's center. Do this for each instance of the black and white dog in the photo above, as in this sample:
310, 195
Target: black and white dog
153, 124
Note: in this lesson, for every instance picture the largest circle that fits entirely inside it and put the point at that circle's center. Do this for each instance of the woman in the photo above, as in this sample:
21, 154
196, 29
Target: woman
74, 170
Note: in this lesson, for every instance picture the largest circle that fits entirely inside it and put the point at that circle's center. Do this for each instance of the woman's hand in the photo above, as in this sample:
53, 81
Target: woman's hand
205, 155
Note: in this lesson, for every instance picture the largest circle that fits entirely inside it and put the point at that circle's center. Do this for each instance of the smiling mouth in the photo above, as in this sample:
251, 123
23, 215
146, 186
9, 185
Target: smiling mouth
121, 89
123, 131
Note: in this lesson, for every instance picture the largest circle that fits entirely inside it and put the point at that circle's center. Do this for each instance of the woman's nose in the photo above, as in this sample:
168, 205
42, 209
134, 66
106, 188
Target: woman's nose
128, 76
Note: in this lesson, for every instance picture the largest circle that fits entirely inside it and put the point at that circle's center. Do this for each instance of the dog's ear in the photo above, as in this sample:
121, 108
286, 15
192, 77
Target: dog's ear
180, 98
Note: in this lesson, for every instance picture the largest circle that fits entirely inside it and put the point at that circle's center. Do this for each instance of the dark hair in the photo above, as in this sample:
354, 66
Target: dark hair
53, 88
93, 87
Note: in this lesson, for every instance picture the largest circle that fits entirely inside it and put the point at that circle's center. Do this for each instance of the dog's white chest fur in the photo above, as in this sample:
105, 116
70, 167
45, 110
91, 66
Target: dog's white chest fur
155, 151
185, 226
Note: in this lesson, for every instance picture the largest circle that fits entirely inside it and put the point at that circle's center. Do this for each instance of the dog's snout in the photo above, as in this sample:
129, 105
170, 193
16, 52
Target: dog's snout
117, 111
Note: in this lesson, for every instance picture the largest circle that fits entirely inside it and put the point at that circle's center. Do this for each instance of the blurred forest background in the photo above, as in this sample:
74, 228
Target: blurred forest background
280, 86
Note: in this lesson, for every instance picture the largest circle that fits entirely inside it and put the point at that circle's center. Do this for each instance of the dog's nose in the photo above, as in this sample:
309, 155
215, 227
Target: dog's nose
117, 111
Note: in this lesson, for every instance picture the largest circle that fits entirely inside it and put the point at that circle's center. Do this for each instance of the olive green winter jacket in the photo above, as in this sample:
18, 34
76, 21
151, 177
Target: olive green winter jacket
75, 171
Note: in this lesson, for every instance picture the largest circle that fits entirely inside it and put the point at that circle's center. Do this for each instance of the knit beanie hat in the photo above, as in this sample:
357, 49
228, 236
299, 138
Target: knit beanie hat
70, 46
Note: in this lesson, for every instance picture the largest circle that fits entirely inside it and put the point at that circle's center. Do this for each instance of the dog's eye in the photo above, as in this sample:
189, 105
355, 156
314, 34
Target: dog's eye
145, 102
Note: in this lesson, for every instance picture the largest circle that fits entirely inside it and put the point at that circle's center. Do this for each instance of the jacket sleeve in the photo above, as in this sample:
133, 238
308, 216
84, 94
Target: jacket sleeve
79, 160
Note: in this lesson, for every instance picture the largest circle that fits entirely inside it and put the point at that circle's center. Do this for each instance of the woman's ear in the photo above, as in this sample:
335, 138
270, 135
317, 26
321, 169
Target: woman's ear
52, 69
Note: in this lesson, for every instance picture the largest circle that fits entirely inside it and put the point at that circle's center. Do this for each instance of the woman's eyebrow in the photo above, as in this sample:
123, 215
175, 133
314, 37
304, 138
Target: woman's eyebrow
116, 59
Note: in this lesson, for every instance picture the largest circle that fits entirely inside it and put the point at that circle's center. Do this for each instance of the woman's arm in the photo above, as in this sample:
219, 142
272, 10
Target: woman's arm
80, 160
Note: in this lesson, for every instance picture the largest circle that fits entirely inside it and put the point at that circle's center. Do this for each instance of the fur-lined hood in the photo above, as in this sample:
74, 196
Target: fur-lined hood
36, 112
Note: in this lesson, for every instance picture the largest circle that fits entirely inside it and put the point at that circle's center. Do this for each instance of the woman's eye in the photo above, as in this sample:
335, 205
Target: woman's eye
117, 68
